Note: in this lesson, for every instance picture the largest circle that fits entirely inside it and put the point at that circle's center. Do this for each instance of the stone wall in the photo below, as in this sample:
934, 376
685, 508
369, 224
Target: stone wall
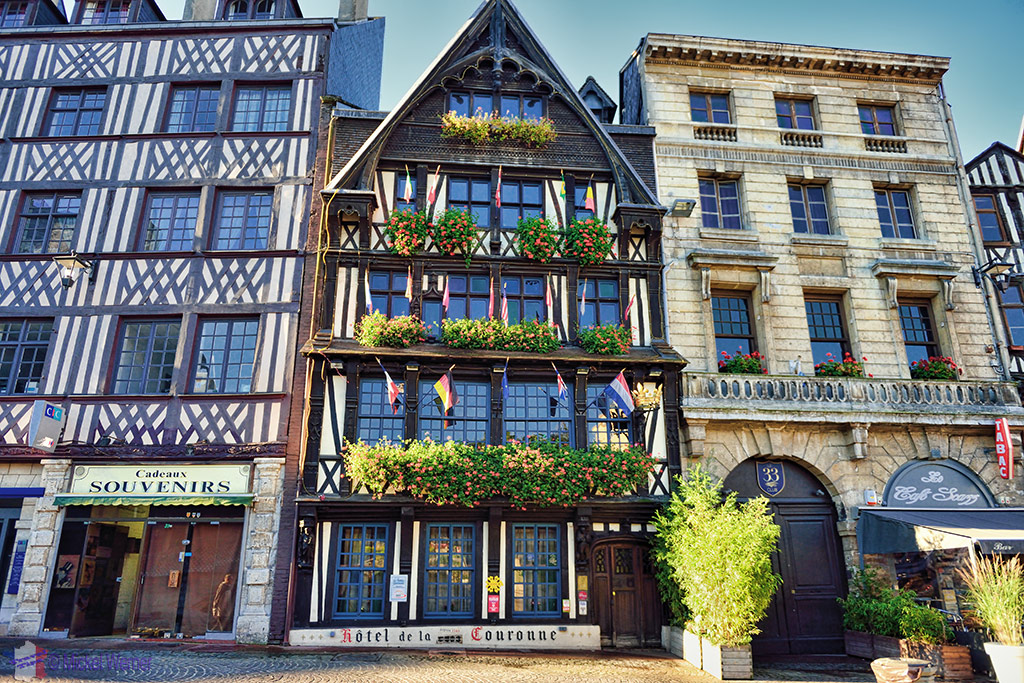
259, 555
18, 475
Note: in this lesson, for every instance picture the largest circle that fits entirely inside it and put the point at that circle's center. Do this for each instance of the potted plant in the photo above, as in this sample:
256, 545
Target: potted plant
752, 363
719, 553
609, 340
376, 329
996, 589
848, 367
936, 367
407, 232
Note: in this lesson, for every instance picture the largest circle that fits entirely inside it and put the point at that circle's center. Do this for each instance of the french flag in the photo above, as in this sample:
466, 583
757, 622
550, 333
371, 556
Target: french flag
618, 391
563, 391
394, 391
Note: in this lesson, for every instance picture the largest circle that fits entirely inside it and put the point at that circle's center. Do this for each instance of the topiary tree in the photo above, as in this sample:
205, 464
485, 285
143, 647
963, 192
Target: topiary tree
719, 551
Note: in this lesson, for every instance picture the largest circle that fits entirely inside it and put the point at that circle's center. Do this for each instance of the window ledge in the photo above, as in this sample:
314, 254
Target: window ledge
826, 240
728, 234
904, 243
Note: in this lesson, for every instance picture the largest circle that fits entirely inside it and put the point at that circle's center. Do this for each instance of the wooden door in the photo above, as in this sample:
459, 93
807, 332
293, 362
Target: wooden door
625, 595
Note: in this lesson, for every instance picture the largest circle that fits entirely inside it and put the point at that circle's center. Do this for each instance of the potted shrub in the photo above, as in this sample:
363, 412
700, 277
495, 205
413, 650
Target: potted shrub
996, 589
719, 553
752, 363
936, 367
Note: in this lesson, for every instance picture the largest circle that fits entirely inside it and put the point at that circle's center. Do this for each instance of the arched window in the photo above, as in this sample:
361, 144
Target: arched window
236, 10
264, 9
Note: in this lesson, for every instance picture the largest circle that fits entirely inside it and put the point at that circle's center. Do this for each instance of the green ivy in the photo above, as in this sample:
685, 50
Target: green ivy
376, 329
537, 473
608, 340
490, 333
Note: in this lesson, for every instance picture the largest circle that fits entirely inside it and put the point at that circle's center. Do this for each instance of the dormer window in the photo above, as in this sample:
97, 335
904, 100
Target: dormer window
240, 10
105, 12
470, 104
13, 14
522, 106
477, 104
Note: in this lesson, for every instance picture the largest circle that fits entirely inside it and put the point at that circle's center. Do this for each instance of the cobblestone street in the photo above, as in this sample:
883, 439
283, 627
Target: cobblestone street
120, 661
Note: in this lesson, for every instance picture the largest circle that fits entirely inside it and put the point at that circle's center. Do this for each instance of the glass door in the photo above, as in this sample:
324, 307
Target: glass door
161, 579
212, 578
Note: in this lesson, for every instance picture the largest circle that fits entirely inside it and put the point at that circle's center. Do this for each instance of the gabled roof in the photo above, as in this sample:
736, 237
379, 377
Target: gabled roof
483, 36
1006, 149
591, 86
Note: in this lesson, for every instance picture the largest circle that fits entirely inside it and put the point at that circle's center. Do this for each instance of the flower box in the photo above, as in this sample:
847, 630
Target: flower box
691, 648
726, 663
952, 662
859, 644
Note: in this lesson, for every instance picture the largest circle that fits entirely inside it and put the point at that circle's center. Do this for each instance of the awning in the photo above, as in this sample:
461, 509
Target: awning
897, 530
114, 499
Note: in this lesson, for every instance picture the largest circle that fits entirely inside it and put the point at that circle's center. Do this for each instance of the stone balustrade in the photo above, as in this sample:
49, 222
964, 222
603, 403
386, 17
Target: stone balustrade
886, 144
715, 133
801, 138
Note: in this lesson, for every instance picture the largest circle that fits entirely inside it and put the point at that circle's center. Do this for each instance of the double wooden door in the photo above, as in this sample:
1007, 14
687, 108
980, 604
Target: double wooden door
625, 595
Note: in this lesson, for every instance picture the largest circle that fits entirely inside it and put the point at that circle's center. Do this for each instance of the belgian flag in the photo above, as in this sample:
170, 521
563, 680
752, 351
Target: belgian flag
447, 396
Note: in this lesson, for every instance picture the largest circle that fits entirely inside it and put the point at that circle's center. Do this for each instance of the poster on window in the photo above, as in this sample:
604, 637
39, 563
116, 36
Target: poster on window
67, 571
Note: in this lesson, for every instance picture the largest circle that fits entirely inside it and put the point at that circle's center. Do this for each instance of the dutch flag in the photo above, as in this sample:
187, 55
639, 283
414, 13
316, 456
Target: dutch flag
618, 391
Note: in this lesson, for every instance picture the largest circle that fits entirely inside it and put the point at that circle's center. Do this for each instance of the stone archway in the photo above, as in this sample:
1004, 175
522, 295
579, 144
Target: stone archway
804, 617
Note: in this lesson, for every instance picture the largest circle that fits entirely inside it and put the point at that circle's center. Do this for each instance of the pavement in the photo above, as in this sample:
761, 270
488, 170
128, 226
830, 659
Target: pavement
120, 660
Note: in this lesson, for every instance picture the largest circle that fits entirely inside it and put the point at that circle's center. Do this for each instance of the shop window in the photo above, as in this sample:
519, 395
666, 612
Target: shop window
536, 570
145, 359
171, 221
401, 180
467, 422
387, 291
262, 108
520, 200
376, 419
243, 220
734, 330
535, 410
47, 222
709, 108
76, 111
988, 218
361, 570
794, 114
23, 346
719, 203
470, 103
225, 356
472, 195
193, 109
827, 329
468, 297
1012, 306
809, 208
602, 302
607, 424
918, 331
450, 571
525, 297
894, 213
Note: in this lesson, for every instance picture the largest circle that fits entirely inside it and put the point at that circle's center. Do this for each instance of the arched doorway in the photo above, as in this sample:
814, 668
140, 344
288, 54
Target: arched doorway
804, 617
626, 602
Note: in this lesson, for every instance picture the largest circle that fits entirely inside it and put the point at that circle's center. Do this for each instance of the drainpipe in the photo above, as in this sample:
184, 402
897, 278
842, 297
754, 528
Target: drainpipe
992, 301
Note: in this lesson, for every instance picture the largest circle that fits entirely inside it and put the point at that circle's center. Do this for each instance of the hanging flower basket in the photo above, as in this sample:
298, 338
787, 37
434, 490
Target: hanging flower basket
407, 232
455, 232
589, 241
537, 238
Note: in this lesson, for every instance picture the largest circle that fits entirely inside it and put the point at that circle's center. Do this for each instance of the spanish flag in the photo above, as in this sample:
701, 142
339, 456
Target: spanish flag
447, 396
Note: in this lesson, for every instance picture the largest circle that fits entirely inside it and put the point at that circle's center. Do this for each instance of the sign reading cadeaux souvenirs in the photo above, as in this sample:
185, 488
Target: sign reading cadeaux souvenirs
161, 480
936, 484
547, 637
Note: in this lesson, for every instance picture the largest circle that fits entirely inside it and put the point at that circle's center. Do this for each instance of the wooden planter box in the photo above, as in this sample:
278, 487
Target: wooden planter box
952, 662
727, 663
691, 648
672, 640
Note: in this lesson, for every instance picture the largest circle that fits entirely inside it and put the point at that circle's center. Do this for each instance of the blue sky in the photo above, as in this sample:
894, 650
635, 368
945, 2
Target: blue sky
595, 37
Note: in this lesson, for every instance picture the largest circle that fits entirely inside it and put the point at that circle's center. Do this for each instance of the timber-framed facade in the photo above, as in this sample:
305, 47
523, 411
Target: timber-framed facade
594, 549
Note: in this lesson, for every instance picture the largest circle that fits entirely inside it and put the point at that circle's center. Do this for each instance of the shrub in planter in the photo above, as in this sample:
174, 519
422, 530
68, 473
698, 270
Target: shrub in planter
588, 241
407, 231
743, 364
848, 367
936, 367
537, 238
608, 340
455, 232
491, 333
376, 329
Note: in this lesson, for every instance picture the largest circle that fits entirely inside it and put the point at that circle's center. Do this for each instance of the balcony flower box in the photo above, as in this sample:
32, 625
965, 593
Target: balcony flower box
486, 128
936, 367
532, 336
752, 363
608, 340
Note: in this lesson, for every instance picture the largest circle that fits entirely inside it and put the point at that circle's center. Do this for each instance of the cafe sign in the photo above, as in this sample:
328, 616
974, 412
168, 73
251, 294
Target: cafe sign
158, 484
936, 484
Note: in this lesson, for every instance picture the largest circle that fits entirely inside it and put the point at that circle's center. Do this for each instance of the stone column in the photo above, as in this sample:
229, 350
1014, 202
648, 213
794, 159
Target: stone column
42, 547
258, 556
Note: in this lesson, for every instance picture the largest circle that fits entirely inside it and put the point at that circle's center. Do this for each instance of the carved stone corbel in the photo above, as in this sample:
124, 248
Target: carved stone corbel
947, 293
705, 283
858, 441
891, 291
766, 286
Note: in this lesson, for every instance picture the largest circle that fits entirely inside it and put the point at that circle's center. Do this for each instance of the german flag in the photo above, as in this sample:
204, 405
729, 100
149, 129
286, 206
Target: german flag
447, 396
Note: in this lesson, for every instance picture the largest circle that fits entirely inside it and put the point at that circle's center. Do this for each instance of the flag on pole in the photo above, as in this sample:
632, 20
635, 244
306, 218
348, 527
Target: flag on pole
497, 191
407, 197
447, 395
445, 299
504, 385
618, 391
629, 307
394, 391
561, 191
408, 285
563, 391
432, 192
490, 300
366, 293
589, 201
583, 301
548, 301
504, 306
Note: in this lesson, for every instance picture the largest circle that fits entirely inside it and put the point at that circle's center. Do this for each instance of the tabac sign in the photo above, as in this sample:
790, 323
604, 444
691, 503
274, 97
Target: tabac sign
173, 484
1004, 448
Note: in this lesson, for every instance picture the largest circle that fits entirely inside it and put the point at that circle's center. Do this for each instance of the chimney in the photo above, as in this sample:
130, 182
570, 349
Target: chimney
351, 10
199, 10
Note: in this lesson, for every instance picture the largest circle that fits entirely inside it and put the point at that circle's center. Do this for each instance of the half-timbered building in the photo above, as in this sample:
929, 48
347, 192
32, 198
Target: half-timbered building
155, 192
491, 574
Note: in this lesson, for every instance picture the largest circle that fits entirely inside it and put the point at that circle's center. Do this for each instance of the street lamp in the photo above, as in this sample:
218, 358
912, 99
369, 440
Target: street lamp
682, 208
71, 266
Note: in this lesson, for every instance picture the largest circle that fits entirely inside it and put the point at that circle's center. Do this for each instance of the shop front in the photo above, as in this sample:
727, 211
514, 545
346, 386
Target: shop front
149, 551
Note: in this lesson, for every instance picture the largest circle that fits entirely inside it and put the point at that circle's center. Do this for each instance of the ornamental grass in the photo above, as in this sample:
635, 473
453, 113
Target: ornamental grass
407, 232
608, 340
538, 473
455, 232
936, 367
376, 329
995, 587
492, 334
537, 238
589, 241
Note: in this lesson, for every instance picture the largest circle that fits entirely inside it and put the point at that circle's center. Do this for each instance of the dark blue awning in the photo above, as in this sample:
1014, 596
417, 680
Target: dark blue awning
900, 530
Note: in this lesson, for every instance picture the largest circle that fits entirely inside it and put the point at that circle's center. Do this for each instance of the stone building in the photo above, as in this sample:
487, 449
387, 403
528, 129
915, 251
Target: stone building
155, 194
491, 573
817, 206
